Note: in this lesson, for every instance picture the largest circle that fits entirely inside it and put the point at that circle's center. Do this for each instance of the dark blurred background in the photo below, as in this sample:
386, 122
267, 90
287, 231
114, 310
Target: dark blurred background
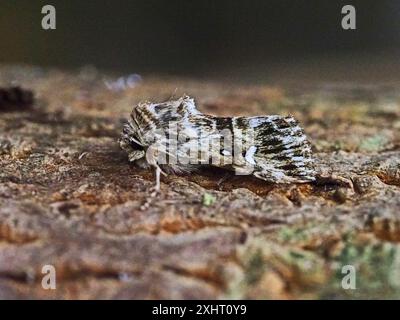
259, 39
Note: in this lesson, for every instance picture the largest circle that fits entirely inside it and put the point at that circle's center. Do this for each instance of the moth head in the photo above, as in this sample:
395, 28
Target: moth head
134, 155
134, 150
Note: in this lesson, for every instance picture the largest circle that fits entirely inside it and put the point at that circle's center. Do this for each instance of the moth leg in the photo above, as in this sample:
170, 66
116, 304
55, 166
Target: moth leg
225, 177
156, 189
158, 178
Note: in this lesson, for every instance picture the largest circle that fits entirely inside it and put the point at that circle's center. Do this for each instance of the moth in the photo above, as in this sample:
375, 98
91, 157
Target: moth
175, 137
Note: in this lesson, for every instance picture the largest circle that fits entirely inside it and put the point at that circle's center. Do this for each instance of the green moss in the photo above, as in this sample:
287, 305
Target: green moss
374, 143
292, 234
208, 199
302, 233
377, 272
255, 267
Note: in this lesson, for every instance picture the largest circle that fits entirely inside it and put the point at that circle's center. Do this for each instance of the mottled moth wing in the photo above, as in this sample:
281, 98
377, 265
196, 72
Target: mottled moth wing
272, 148
281, 152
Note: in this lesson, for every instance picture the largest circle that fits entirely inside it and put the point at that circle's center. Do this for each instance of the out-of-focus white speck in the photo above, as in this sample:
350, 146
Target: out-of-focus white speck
123, 83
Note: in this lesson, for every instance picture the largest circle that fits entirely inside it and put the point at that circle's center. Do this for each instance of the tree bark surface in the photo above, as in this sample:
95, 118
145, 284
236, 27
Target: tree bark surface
69, 197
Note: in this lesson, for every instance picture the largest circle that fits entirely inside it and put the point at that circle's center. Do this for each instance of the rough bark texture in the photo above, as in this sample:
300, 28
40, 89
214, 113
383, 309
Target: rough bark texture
70, 198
